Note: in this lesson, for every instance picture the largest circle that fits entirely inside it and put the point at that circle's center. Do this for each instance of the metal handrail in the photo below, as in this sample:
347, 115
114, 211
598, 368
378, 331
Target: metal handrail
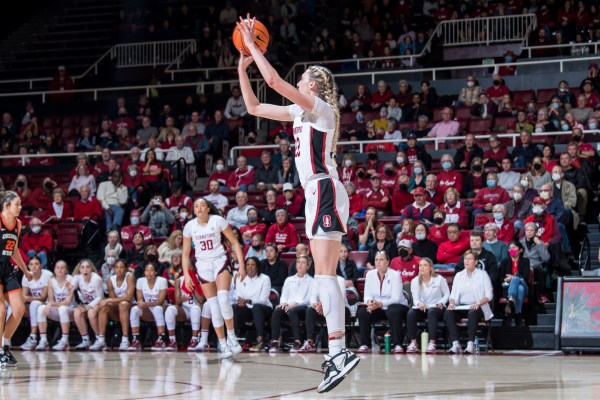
150, 53
436, 141
502, 29
559, 46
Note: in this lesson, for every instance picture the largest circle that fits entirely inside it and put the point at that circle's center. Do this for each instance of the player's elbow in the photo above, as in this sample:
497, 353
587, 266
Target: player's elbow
274, 81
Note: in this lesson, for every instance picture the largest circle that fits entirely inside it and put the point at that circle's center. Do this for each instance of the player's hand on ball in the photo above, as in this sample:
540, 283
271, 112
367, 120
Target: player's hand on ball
245, 62
246, 26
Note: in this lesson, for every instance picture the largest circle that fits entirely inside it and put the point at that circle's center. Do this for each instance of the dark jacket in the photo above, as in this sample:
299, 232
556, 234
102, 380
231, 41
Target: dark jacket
350, 270
487, 262
266, 175
506, 268
425, 248
278, 272
389, 247
523, 212
459, 156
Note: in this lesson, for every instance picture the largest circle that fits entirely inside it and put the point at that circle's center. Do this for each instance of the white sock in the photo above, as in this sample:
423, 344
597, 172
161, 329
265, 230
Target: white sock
204, 337
335, 346
65, 338
231, 334
124, 339
5, 342
171, 338
33, 336
43, 336
85, 338
100, 338
222, 343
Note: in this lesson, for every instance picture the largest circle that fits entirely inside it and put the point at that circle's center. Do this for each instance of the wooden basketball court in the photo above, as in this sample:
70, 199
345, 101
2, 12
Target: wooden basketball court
119, 376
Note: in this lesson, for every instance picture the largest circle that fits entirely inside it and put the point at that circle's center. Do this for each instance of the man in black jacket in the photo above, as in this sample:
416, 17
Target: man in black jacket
577, 178
465, 154
487, 261
216, 132
266, 175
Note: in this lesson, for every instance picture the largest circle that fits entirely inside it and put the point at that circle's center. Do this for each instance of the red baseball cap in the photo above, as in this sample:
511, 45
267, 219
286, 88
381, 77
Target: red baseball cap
538, 200
419, 191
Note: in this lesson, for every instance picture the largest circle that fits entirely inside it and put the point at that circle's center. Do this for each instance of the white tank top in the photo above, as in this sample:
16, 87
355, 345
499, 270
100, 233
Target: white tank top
151, 294
120, 291
313, 135
206, 239
36, 286
60, 290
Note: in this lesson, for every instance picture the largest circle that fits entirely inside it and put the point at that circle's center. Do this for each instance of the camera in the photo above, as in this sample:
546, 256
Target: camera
156, 202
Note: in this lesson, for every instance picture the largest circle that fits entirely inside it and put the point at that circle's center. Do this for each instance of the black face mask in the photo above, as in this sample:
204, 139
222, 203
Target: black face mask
496, 82
151, 258
389, 172
403, 187
48, 185
577, 138
251, 139
477, 168
438, 221
537, 167
256, 248
360, 174
20, 183
372, 156
403, 253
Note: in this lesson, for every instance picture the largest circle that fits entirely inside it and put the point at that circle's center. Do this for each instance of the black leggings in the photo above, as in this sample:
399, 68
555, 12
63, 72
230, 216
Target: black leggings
432, 315
259, 314
395, 314
295, 315
473, 316
312, 318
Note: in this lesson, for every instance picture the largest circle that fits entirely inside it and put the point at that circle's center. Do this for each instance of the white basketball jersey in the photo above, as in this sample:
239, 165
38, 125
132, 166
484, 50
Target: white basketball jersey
87, 291
313, 135
151, 294
207, 238
36, 286
120, 291
60, 290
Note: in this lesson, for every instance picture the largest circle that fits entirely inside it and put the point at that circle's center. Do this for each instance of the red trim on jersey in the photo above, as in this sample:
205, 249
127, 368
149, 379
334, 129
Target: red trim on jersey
6, 225
335, 206
14, 291
323, 149
312, 153
318, 207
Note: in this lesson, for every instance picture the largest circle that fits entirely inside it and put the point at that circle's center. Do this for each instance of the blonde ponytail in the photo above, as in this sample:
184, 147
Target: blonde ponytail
328, 92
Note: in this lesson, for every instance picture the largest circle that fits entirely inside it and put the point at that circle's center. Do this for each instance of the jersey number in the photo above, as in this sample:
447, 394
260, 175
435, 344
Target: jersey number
206, 245
10, 245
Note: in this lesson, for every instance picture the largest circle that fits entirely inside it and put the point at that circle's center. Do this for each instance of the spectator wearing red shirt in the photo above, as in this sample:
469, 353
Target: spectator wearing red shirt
356, 200
389, 178
587, 89
102, 166
284, 129
433, 194
456, 211
242, 177
123, 121
366, 230
382, 96
495, 153
36, 241
584, 150
377, 197
255, 225
62, 82
498, 89
42, 196
406, 263
347, 172
59, 209
448, 177
220, 175
87, 207
437, 231
363, 185
291, 201
132, 159
282, 233
489, 196
404, 96
128, 231
375, 147
178, 198
401, 197
450, 251
547, 230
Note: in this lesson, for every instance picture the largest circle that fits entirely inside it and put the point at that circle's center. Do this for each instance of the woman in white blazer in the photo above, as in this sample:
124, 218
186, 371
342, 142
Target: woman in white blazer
430, 295
471, 296
383, 299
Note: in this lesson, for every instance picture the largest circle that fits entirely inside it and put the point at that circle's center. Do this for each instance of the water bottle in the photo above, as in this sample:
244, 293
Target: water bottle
476, 346
424, 341
387, 339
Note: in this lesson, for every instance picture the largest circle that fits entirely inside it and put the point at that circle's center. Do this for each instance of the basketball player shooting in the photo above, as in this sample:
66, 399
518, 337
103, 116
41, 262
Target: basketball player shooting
316, 117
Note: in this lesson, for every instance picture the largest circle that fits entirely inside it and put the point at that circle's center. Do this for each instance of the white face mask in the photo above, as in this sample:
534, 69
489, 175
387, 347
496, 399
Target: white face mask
556, 177
537, 210
220, 167
470, 84
400, 160
110, 260
524, 183
517, 196
36, 229
183, 215
134, 220
348, 163
133, 173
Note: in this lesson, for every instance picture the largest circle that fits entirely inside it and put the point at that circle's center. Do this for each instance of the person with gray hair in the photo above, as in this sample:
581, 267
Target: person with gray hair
497, 247
282, 233
506, 229
355, 199
518, 208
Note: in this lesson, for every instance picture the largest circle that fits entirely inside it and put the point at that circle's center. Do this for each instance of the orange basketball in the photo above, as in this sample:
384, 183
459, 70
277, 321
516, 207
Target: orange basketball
261, 38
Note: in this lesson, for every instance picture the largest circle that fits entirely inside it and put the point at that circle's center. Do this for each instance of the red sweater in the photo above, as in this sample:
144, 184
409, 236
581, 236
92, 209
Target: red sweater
254, 229
545, 228
128, 231
176, 202
90, 208
400, 199
438, 235
457, 213
450, 252
362, 187
356, 202
498, 195
286, 236
240, 177
506, 232
35, 241
437, 198
448, 179
375, 199
218, 176
67, 211
294, 207
408, 268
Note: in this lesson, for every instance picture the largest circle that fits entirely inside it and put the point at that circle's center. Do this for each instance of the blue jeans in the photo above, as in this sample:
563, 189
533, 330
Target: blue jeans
517, 290
42, 256
117, 218
444, 266
564, 238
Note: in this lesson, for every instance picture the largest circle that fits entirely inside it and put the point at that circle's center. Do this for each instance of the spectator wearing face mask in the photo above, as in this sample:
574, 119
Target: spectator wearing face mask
498, 89
36, 241
469, 94
565, 95
448, 177
158, 217
219, 200
219, 174
128, 231
107, 268
518, 208
489, 196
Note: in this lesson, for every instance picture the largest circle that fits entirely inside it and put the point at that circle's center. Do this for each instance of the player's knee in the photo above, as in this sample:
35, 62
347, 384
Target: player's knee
224, 305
